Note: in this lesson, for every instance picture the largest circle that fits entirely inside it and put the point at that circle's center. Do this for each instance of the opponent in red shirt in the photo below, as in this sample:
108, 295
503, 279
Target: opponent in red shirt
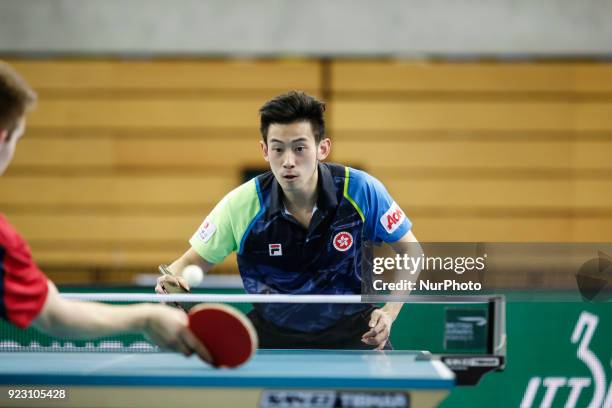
28, 298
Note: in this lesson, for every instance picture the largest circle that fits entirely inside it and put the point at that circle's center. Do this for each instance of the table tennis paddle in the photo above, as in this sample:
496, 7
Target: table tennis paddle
228, 335
170, 289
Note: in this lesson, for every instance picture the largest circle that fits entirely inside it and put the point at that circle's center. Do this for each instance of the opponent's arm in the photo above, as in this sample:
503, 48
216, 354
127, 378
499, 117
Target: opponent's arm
165, 326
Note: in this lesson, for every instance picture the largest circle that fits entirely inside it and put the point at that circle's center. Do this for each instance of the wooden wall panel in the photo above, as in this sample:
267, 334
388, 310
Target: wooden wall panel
162, 154
109, 152
501, 194
394, 77
241, 76
166, 113
464, 115
453, 155
123, 159
122, 191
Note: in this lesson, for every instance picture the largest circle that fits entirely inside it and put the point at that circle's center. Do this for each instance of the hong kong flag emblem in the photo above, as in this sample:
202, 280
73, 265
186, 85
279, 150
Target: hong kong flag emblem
343, 241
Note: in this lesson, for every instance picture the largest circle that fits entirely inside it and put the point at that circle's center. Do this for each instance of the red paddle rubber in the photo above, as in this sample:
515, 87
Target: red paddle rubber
228, 335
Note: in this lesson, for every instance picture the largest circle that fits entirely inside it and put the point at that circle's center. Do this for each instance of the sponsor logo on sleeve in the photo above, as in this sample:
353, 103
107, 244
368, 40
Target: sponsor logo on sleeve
207, 230
393, 218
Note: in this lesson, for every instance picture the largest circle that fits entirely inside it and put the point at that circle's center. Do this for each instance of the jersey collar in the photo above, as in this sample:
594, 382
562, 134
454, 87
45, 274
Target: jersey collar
326, 189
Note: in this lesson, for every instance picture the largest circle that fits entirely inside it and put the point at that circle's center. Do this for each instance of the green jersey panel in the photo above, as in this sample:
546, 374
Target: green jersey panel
222, 231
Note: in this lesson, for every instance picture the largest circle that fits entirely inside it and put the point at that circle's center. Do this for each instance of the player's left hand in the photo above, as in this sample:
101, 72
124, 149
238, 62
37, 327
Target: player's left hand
380, 329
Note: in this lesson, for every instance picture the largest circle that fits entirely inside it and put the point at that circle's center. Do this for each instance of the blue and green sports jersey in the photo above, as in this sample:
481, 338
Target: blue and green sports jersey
278, 255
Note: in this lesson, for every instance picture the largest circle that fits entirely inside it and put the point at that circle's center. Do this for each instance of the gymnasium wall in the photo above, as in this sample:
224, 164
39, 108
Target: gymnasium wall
317, 28
124, 158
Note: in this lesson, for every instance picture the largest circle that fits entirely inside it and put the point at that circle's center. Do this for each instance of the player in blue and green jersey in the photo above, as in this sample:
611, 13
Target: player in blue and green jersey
299, 229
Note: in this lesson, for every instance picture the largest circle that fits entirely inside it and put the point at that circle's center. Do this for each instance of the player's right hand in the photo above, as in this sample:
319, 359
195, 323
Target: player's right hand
168, 328
165, 284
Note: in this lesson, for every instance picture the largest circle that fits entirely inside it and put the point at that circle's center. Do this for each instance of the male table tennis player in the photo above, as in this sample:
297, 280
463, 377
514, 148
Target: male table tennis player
28, 298
298, 229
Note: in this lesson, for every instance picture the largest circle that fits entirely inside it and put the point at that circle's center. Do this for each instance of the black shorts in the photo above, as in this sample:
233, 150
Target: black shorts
346, 334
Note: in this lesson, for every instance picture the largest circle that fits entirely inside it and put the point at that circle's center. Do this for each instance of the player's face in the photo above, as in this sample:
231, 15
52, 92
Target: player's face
293, 155
7, 148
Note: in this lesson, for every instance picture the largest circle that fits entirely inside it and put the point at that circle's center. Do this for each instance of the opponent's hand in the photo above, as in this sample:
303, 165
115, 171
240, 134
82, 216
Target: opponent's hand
168, 328
166, 282
380, 329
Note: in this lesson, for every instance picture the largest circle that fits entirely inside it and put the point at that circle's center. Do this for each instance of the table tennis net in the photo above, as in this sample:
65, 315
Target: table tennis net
449, 312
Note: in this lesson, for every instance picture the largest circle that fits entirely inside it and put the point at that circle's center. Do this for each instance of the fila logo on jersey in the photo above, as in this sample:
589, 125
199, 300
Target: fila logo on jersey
275, 249
393, 218
343, 241
207, 230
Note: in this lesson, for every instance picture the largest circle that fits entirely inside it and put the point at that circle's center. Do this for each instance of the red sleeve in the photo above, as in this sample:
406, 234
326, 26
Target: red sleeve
23, 287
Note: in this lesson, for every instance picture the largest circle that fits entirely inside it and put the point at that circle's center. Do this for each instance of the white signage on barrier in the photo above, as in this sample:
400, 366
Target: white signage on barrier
587, 323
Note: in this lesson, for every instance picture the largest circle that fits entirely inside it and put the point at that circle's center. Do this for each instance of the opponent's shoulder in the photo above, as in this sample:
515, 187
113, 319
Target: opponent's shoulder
8, 233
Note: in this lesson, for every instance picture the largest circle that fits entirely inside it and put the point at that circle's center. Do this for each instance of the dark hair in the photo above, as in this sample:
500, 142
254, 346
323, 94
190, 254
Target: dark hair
291, 107
16, 97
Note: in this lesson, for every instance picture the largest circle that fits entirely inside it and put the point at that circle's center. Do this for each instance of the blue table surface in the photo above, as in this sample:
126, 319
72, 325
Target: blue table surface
267, 369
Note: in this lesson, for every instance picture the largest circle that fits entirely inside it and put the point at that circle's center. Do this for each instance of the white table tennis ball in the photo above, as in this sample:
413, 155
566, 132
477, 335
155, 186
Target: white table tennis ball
193, 274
